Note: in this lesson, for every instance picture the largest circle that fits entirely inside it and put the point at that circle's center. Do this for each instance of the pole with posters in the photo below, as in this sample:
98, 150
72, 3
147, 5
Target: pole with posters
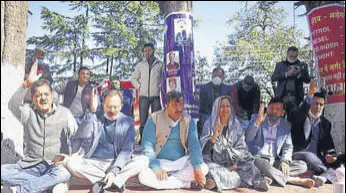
179, 68
327, 27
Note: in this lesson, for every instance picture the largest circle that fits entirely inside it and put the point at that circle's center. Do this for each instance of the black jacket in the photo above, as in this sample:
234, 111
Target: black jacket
239, 103
325, 140
206, 96
279, 75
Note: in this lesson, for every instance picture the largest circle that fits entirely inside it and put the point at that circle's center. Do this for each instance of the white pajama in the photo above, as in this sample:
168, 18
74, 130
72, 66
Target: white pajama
180, 174
94, 169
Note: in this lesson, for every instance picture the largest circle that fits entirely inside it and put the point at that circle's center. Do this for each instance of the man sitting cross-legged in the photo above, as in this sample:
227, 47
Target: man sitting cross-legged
108, 162
47, 129
170, 142
312, 139
269, 140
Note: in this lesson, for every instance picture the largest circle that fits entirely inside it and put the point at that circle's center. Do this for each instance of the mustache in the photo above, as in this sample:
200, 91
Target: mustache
177, 112
43, 101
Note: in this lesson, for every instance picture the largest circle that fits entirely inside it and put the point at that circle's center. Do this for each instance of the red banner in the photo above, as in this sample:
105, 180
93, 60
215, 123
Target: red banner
327, 27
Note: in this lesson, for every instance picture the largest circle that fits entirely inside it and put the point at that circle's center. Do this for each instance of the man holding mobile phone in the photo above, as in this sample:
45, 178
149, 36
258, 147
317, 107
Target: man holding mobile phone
290, 75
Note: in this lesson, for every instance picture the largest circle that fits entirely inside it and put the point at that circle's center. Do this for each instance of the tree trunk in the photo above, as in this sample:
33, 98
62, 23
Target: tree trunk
112, 62
83, 39
309, 5
14, 16
335, 112
167, 7
107, 66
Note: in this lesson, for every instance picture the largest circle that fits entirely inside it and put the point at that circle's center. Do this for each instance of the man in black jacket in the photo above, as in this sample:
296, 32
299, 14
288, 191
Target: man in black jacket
290, 75
311, 137
246, 99
208, 93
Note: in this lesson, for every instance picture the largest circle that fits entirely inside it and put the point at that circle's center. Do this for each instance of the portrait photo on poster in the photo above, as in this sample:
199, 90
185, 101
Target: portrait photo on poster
173, 83
330, 90
172, 59
339, 89
182, 30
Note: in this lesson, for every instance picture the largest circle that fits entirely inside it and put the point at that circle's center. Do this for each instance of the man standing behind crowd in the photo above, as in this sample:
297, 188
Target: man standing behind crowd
78, 94
246, 99
209, 93
290, 74
147, 79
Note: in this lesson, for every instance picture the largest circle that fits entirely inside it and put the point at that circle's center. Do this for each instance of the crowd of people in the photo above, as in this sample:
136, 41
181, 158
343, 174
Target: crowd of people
237, 142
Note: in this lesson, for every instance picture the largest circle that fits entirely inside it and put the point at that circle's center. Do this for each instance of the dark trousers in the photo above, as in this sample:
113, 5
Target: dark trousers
291, 105
144, 103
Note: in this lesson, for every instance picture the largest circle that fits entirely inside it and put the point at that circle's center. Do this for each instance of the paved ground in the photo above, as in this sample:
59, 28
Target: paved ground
274, 189
134, 187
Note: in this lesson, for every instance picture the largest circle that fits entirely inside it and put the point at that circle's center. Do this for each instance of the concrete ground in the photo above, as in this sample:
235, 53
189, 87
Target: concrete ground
133, 186
327, 188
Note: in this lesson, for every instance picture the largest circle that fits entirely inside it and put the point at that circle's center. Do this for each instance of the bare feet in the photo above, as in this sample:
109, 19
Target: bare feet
306, 182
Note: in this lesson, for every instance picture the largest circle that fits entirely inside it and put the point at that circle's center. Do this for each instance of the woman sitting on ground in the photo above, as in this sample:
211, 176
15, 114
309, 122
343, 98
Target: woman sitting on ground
230, 163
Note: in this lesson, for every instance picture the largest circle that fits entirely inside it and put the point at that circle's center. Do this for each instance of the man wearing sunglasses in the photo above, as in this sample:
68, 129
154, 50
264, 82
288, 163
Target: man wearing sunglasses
312, 140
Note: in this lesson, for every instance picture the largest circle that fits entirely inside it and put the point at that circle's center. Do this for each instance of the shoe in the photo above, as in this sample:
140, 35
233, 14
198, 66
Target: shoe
319, 180
97, 188
116, 188
195, 186
262, 185
210, 184
60, 188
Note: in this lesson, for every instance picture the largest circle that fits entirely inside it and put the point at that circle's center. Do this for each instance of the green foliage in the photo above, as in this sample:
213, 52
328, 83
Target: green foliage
118, 29
259, 41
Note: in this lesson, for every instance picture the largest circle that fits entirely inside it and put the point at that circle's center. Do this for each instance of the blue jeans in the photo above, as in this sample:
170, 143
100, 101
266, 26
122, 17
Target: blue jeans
37, 178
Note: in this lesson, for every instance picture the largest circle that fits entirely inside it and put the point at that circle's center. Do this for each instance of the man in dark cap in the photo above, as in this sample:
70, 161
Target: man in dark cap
245, 99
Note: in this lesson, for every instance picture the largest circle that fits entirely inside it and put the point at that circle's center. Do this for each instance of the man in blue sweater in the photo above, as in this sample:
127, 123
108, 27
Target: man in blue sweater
108, 161
170, 142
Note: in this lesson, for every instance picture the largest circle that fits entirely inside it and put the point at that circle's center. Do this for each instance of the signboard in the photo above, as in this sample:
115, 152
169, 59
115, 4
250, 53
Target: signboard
179, 67
327, 26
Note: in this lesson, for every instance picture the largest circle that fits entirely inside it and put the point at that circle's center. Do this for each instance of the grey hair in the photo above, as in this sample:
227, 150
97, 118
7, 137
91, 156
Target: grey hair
40, 83
113, 93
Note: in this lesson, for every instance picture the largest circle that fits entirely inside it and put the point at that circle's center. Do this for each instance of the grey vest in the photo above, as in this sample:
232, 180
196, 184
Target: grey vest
71, 91
45, 137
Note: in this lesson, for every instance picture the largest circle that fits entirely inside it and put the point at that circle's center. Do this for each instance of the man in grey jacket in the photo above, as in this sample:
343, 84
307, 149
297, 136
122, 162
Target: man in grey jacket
269, 140
47, 129
147, 79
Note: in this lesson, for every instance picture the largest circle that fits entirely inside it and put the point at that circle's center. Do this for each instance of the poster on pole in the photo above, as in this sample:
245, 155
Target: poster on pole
179, 68
327, 27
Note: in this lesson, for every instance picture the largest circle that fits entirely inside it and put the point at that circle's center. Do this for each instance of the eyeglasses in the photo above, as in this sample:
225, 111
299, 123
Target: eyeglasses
320, 104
